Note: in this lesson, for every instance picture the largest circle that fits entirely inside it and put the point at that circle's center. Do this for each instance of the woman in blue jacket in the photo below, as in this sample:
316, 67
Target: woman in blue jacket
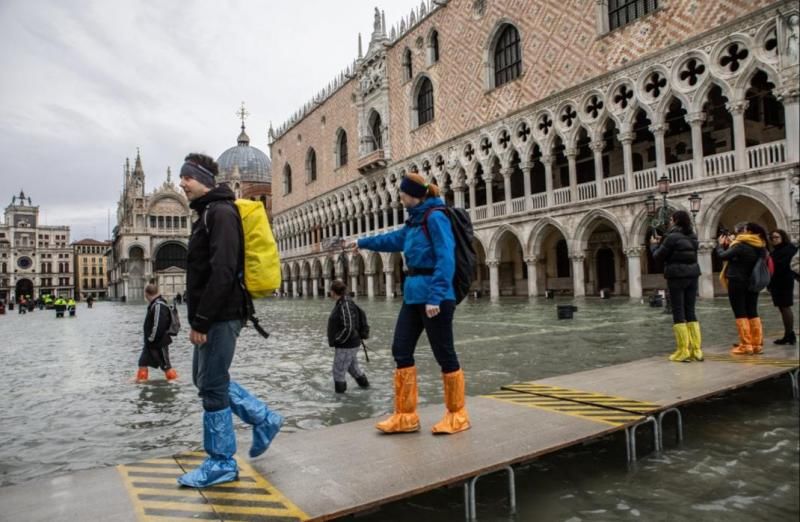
428, 304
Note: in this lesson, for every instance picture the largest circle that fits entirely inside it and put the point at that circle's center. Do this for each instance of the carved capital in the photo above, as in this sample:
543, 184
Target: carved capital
737, 107
507, 172
626, 138
706, 247
526, 166
570, 152
658, 128
635, 251
597, 145
695, 118
531, 260
577, 258
492, 263
546, 159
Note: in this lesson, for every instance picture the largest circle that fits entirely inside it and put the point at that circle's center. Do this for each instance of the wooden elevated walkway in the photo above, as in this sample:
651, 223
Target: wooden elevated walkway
350, 468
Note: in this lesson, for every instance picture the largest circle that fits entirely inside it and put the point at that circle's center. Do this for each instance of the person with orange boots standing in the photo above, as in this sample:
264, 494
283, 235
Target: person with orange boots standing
155, 352
429, 304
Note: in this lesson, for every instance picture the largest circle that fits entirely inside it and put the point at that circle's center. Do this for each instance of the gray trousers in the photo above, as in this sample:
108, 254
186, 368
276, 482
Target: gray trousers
346, 361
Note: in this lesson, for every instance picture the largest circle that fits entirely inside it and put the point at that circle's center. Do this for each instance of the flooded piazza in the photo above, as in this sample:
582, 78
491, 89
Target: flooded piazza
70, 404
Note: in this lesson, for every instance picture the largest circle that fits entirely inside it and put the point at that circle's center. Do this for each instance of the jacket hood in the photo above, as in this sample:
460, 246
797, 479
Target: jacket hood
218, 193
416, 213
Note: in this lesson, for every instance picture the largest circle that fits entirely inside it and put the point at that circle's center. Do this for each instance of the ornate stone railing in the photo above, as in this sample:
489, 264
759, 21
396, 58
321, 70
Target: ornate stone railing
721, 163
562, 196
614, 185
766, 154
680, 172
518, 205
499, 209
587, 190
645, 179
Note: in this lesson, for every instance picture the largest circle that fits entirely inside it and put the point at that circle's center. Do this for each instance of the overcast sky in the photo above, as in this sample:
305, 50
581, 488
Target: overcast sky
84, 83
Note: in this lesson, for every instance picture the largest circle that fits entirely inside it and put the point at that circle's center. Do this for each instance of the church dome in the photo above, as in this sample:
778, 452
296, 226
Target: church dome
253, 164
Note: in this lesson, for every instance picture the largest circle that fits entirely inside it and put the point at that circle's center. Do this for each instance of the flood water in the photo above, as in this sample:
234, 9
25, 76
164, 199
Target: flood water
68, 404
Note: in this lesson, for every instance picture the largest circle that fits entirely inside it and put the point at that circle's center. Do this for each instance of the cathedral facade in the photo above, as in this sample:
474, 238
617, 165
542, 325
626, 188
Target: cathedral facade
568, 128
151, 238
35, 259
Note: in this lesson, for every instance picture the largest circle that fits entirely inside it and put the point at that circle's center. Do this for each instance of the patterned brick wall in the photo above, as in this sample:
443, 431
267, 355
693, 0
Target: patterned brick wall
338, 111
560, 49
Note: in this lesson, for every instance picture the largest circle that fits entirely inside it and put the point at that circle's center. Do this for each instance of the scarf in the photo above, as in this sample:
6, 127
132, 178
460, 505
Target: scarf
749, 239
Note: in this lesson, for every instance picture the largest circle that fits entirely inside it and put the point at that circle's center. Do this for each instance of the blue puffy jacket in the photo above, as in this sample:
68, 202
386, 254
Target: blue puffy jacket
438, 253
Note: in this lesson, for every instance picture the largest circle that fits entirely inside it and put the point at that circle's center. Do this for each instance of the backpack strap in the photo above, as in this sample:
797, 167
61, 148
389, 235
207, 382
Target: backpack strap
424, 223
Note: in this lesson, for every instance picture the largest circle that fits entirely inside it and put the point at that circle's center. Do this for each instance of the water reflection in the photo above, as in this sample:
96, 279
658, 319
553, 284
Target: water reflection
69, 404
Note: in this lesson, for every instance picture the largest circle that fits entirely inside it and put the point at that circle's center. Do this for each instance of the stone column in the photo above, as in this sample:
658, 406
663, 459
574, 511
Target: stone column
506, 172
315, 287
706, 281
578, 284
626, 138
489, 196
370, 284
305, 287
494, 279
597, 147
547, 161
389, 279
385, 216
326, 285
695, 121
791, 109
395, 208
526, 182
661, 157
471, 183
740, 144
357, 219
570, 153
634, 255
354, 283
295, 288
533, 276
458, 196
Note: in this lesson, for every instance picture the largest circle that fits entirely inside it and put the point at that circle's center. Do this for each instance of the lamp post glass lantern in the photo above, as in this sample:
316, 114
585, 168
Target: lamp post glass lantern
659, 217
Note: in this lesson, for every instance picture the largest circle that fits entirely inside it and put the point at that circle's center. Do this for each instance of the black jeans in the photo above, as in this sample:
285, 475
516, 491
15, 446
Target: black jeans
211, 363
439, 329
682, 297
743, 302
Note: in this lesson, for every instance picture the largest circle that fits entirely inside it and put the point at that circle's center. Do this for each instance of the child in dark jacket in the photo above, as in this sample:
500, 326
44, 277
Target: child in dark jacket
155, 351
343, 328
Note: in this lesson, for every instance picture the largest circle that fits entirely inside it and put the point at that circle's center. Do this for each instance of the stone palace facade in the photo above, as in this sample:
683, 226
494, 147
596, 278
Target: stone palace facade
552, 121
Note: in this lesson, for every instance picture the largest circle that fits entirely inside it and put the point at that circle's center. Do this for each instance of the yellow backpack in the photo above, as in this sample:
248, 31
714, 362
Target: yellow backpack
262, 265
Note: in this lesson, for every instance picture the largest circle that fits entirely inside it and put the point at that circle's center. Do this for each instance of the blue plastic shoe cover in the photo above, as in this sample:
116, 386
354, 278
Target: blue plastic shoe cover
266, 423
264, 433
219, 441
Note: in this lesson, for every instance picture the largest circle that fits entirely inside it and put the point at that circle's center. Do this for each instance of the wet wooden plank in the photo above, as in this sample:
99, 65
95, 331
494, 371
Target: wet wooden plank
352, 467
668, 384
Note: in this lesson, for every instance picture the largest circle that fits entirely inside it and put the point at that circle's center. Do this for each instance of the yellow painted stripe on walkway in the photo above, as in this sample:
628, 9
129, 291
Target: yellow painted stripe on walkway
575, 409
600, 399
156, 496
754, 359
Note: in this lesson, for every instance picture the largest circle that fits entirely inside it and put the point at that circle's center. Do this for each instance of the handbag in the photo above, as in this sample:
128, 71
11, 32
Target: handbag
760, 276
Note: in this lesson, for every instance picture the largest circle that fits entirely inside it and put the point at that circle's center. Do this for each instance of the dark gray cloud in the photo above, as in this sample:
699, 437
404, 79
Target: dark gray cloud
86, 82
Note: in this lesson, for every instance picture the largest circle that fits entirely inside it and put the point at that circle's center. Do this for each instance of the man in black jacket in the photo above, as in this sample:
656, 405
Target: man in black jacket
343, 335
217, 307
155, 351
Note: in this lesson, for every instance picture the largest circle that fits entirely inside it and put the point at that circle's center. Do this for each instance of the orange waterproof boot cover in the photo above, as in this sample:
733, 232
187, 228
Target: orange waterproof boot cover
171, 374
405, 418
455, 418
756, 335
141, 375
745, 346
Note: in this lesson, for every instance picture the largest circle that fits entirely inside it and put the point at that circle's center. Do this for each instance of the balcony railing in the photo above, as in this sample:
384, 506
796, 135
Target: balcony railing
645, 179
562, 196
539, 200
372, 161
721, 163
587, 190
614, 185
518, 205
499, 209
766, 154
480, 213
680, 172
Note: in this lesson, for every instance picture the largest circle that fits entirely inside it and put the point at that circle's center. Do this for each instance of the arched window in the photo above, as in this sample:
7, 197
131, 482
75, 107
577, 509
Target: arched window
311, 166
407, 71
287, 179
341, 148
433, 47
376, 130
507, 56
424, 101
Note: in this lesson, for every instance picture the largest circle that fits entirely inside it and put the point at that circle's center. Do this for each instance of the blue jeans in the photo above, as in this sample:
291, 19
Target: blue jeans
211, 362
439, 329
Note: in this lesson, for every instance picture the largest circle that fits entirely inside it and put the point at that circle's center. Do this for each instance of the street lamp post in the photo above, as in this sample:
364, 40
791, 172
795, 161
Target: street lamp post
659, 216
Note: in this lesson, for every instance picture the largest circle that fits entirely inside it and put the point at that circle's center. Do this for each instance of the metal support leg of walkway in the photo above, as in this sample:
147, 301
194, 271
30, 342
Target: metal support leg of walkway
793, 375
678, 427
469, 494
630, 437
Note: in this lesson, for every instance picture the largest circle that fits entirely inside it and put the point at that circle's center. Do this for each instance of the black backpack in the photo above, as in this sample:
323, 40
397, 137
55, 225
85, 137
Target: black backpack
363, 325
175, 321
464, 252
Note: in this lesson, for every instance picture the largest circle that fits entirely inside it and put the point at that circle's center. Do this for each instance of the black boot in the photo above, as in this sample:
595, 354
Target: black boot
340, 387
362, 381
788, 338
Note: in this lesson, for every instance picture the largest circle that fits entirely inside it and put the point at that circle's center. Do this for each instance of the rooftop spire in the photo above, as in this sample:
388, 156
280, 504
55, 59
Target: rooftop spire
243, 139
137, 168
